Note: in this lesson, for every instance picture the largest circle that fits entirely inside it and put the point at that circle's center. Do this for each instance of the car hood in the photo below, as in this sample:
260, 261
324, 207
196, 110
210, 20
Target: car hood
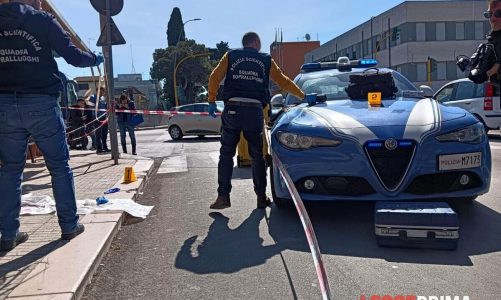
402, 119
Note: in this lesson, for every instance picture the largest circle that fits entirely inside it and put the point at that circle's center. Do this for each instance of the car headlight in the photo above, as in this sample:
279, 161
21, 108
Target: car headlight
472, 135
303, 142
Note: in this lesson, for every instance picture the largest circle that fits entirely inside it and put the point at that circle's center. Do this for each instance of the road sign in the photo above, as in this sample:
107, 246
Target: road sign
115, 6
116, 36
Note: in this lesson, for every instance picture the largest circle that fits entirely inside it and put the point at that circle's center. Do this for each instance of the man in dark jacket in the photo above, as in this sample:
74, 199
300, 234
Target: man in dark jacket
246, 93
493, 13
78, 119
29, 86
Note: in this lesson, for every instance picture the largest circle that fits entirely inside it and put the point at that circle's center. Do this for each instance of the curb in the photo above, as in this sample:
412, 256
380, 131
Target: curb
65, 272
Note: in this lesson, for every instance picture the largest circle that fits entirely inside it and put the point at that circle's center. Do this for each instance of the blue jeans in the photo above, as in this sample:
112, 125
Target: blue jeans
123, 127
249, 120
23, 115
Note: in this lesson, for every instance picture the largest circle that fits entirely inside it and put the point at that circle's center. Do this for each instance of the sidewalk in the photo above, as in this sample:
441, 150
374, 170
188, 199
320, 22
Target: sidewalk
45, 267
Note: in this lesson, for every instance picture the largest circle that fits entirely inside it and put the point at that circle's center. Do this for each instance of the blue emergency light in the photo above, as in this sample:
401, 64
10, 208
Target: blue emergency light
367, 63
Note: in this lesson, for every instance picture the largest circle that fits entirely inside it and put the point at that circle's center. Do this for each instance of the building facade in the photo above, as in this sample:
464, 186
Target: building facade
407, 36
290, 55
149, 88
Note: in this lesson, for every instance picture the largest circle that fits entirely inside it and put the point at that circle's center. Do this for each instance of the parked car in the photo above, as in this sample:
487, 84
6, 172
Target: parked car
481, 100
194, 124
410, 148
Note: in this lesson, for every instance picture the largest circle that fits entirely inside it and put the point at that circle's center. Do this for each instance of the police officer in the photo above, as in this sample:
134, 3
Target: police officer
246, 93
29, 86
493, 13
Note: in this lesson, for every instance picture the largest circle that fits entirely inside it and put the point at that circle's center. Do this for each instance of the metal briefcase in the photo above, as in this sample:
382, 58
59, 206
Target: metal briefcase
416, 225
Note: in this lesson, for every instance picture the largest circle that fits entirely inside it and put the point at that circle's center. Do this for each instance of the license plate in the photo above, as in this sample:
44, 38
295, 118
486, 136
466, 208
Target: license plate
459, 161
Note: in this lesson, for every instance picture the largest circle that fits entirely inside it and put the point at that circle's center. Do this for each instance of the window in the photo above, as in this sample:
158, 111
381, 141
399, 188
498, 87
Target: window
479, 90
440, 29
445, 94
441, 71
464, 90
421, 72
420, 31
479, 30
83, 86
201, 108
459, 31
186, 108
451, 70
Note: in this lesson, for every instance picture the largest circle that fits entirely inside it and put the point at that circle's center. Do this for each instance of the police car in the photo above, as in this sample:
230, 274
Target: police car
407, 148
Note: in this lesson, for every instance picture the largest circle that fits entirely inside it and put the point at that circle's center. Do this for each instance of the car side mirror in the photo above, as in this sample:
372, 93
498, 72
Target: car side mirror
427, 91
277, 101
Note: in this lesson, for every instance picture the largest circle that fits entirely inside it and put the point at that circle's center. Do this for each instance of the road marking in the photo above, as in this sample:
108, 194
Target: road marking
496, 146
162, 138
174, 164
215, 158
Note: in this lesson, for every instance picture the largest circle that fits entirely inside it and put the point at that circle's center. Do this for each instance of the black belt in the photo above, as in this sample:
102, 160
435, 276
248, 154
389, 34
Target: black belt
244, 103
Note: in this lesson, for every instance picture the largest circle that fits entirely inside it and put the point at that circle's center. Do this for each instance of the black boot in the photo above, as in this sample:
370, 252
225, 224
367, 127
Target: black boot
263, 201
221, 202
134, 149
124, 148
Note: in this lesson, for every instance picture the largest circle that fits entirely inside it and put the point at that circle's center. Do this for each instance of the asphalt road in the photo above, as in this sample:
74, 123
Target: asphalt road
185, 251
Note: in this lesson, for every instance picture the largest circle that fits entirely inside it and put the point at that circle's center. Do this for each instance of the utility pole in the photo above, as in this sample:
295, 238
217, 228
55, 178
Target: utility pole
372, 49
389, 44
108, 54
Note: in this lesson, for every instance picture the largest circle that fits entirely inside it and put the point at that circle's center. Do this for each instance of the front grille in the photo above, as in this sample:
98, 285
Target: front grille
337, 186
442, 183
390, 165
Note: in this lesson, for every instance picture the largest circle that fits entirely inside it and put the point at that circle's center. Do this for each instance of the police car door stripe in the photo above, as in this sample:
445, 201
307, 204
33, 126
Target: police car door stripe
345, 124
423, 119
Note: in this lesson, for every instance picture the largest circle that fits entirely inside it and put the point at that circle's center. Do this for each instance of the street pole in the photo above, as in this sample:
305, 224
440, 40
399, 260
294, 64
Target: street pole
177, 66
389, 44
372, 46
108, 53
175, 59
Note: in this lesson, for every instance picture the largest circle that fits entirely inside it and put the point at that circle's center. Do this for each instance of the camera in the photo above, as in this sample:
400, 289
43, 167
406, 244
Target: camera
480, 62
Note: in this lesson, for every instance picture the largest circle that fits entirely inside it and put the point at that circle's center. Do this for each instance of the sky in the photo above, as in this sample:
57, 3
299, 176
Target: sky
143, 23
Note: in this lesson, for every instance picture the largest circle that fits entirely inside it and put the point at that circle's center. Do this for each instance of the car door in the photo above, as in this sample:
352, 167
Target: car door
207, 124
464, 96
186, 122
445, 94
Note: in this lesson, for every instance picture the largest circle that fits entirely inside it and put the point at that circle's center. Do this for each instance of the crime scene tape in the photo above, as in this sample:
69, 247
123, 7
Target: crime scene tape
307, 226
87, 133
87, 124
147, 112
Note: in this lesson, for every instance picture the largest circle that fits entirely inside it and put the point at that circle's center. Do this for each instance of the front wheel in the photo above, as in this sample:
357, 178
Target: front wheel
175, 132
279, 202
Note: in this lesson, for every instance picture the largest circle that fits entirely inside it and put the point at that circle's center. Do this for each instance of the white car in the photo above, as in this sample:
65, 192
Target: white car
481, 100
194, 124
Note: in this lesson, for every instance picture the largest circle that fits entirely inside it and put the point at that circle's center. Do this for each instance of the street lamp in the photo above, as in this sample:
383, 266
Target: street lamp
177, 66
175, 58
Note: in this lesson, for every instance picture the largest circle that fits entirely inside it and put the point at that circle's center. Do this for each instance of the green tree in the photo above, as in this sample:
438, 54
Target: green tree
175, 28
192, 72
222, 48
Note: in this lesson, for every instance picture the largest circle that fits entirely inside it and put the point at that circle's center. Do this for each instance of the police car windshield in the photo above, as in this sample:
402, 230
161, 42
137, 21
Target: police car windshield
333, 85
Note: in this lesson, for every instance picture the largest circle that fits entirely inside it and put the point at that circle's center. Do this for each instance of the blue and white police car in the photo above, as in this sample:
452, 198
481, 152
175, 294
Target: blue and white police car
409, 148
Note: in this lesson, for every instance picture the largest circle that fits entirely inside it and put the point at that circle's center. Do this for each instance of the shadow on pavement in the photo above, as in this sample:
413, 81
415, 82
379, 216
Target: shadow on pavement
23, 261
241, 173
347, 229
226, 250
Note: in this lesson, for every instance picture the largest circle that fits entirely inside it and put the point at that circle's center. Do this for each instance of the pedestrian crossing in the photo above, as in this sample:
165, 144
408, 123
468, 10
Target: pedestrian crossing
495, 146
174, 164
178, 163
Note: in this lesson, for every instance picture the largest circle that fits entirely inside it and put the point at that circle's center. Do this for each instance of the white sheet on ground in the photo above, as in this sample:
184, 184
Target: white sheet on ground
42, 205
